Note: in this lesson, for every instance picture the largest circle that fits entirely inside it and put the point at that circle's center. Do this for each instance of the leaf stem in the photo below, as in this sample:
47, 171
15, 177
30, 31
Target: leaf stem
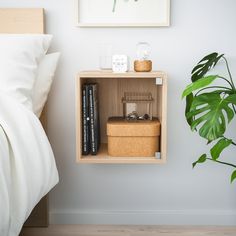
210, 88
231, 85
222, 162
230, 75
233, 143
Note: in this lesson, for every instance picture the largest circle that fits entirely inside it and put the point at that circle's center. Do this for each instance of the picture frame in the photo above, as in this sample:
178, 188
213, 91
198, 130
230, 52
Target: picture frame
125, 13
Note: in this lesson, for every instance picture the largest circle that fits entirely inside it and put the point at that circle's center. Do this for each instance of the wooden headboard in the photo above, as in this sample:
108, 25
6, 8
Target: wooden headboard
31, 21
20, 21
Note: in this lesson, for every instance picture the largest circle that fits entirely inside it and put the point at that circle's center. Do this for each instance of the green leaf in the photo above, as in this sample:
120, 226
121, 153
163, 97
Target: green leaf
231, 99
201, 83
223, 91
233, 176
201, 159
209, 112
205, 65
189, 100
219, 147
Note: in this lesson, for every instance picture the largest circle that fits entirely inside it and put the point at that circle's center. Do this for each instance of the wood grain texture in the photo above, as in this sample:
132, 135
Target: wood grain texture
22, 21
112, 87
16, 21
102, 230
130, 74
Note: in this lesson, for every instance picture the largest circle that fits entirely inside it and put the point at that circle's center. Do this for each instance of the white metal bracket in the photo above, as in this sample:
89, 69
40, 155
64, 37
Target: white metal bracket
159, 81
158, 155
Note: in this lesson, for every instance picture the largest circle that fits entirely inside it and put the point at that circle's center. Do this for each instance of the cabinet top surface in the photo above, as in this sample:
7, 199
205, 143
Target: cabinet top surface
130, 74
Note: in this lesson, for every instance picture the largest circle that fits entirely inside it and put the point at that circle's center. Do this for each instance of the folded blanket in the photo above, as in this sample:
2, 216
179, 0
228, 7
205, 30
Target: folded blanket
27, 166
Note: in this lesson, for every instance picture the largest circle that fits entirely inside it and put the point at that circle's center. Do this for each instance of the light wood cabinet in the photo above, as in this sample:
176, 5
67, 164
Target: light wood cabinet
111, 90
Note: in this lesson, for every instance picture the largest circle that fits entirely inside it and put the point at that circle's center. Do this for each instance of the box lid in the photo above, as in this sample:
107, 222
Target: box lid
119, 127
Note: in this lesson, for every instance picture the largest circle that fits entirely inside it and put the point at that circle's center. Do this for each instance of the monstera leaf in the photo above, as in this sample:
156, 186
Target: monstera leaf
209, 112
189, 101
219, 147
188, 92
205, 65
201, 83
209, 108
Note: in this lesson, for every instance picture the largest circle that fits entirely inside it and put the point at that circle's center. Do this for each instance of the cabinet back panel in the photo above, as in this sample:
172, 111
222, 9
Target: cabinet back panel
111, 92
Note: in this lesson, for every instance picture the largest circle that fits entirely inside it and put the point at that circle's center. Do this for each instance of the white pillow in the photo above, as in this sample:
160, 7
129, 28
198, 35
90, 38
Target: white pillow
46, 71
19, 58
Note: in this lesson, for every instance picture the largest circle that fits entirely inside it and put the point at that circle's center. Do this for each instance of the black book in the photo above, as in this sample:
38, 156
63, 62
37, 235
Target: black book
94, 118
86, 147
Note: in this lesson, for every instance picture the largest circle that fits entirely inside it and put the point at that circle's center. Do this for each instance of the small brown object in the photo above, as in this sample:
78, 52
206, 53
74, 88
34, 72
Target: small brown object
133, 138
143, 66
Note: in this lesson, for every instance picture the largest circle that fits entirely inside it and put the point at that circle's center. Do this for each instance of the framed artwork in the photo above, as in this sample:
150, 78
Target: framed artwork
123, 13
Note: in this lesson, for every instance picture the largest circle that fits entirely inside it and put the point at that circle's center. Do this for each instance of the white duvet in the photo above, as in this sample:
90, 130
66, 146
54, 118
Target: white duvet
27, 165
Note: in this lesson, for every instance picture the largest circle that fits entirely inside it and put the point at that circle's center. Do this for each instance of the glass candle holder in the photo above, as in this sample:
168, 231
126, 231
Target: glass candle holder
143, 62
143, 51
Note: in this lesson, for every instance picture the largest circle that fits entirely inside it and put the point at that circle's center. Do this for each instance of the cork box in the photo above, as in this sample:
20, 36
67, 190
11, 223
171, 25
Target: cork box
137, 138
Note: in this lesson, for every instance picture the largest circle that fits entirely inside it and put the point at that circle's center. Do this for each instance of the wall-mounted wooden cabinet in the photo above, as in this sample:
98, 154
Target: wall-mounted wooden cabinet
111, 90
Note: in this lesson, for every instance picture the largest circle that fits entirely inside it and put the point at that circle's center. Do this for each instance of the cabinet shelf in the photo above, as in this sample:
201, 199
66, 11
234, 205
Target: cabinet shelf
111, 89
104, 158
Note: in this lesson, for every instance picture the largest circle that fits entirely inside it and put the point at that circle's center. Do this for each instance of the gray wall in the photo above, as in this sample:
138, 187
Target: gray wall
140, 194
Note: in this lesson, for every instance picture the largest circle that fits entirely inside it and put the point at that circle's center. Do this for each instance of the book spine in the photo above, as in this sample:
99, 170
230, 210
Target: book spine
95, 104
94, 118
85, 121
91, 116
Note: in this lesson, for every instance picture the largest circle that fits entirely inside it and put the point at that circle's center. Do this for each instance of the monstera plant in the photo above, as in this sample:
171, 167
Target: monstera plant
210, 107
114, 4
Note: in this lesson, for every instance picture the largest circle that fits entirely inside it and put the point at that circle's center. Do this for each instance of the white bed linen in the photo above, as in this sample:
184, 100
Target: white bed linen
27, 165
45, 75
20, 55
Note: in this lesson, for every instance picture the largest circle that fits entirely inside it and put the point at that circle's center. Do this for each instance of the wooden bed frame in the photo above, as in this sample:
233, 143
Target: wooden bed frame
21, 20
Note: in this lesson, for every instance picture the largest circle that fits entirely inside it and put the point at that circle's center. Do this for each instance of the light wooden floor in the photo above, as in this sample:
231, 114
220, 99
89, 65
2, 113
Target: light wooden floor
100, 230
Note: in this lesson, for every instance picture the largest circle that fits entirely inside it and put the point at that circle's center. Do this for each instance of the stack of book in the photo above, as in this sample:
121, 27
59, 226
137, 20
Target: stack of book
90, 119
